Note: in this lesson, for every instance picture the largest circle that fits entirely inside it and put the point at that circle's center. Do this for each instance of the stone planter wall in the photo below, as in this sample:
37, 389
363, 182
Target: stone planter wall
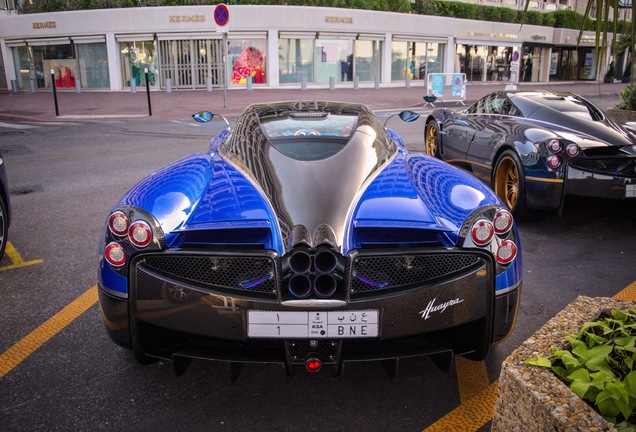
534, 398
622, 116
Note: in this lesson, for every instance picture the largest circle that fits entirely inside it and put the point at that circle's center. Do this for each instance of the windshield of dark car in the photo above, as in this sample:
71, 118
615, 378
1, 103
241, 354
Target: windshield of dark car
309, 136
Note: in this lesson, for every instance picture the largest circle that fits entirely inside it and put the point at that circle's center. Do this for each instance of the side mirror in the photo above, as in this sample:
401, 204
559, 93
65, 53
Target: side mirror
430, 98
409, 116
203, 116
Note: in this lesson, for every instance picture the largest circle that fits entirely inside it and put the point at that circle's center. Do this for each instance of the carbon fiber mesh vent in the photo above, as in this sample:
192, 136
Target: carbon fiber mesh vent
619, 166
250, 273
372, 273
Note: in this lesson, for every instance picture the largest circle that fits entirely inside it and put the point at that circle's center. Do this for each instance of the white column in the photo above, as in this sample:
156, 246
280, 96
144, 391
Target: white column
273, 66
114, 62
9, 66
385, 74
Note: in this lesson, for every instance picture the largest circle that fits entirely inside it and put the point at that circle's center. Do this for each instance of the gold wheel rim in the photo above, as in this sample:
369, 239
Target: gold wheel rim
431, 140
507, 182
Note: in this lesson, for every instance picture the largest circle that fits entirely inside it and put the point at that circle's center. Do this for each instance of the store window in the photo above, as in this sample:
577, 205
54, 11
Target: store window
93, 65
484, 62
25, 68
368, 60
416, 59
296, 60
334, 58
136, 56
247, 61
59, 58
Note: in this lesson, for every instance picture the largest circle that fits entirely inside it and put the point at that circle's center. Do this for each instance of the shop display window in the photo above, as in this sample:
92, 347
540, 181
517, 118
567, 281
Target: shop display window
135, 58
247, 61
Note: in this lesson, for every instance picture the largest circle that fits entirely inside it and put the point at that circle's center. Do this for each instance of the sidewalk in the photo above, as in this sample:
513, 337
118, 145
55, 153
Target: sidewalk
179, 105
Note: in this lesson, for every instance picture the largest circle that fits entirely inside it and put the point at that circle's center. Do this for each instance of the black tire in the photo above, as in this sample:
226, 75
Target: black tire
508, 182
4, 226
432, 139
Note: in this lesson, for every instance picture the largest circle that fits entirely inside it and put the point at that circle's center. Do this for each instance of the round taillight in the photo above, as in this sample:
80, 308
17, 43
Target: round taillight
140, 234
573, 150
313, 364
482, 232
503, 222
554, 161
555, 146
507, 252
118, 223
115, 254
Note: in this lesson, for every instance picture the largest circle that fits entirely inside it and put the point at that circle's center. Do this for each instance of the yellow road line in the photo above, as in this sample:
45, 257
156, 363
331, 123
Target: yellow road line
472, 377
470, 415
38, 337
629, 293
16, 259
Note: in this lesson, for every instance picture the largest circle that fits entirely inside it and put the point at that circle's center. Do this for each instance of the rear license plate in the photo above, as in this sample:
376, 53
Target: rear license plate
313, 325
630, 191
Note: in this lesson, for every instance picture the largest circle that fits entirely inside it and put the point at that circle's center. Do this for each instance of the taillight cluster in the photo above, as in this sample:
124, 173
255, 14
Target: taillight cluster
556, 152
495, 235
138, 233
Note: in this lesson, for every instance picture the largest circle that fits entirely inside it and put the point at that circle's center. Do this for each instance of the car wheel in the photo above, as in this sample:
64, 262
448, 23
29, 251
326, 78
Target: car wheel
4, 226
431, 139
509, 184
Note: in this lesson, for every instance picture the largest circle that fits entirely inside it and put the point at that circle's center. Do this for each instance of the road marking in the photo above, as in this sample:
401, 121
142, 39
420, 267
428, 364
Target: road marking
629, 293
470, 415
51, 327
16, 259
472, 378
16, 126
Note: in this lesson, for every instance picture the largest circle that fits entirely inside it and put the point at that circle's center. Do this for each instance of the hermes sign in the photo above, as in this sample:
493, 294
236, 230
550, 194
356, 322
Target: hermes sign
44, 25
339, 20
187, 18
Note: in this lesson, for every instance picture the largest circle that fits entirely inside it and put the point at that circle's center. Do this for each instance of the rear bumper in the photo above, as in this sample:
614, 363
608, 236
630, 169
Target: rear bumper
598, 185
170, 319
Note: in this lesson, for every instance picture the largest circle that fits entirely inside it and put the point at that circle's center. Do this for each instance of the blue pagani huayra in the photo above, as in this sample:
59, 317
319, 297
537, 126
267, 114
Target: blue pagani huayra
308, 235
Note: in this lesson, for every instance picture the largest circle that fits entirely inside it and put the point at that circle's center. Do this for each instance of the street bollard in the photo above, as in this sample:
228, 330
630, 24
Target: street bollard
78, 85
32, 86
133, 85
208, 83
57, 110
407, 81
356, 82
168, 85
332, 83
377, 82
148, 91
14, 86
303, 82
248, 82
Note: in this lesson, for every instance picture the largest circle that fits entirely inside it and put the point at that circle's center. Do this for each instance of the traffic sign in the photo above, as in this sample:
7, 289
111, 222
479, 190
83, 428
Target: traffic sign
221, 15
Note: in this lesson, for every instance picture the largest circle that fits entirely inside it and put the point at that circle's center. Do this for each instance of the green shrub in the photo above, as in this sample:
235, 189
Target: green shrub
628, 95
534, 18
599, 365
549, 20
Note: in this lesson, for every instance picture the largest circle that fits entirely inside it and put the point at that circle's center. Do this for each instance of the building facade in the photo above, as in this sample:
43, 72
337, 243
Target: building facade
196, 47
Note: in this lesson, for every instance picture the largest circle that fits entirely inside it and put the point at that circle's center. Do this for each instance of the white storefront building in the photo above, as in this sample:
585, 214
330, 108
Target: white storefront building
272, 46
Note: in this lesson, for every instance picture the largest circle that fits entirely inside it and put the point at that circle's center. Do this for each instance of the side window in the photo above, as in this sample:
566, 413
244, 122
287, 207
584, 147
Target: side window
510, 109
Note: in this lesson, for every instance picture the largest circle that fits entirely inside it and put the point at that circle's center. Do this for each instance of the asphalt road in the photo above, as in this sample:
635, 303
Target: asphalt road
64, 179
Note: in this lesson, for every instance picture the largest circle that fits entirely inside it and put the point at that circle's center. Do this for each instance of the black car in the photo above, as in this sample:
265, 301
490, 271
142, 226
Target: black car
536, 147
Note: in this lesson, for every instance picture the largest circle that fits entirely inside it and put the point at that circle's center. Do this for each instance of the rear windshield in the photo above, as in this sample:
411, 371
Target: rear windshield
569, 105
309, 136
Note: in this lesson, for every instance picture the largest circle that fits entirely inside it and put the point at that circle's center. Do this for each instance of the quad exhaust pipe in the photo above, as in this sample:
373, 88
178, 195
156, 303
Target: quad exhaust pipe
313, 271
